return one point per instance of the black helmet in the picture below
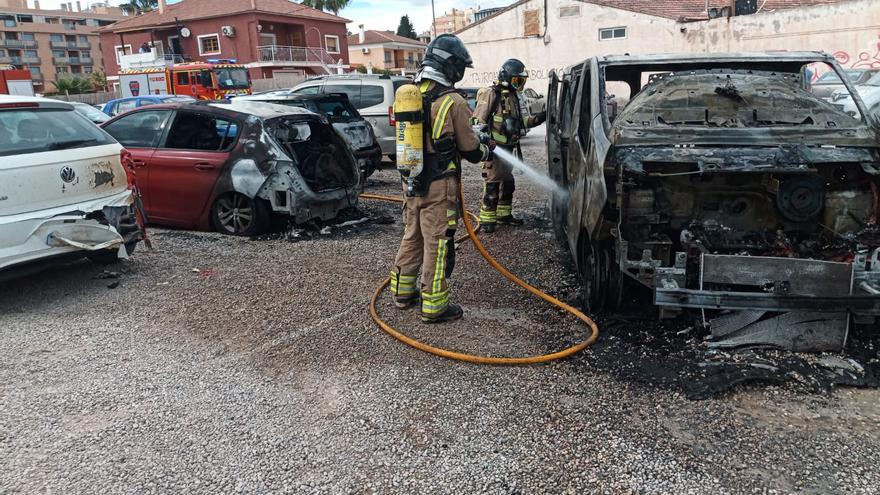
(513, 74)
(447, 54)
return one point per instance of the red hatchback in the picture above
(230, 167)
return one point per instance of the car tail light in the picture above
(127, 162)
(391, 121)
(20, 104)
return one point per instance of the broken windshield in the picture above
(723, 98)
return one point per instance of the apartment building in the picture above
(53, 43)
(454, 21)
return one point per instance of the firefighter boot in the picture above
(451, 313)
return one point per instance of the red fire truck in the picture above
(15, 81)
(211, 80)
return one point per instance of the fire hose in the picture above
(470, 358)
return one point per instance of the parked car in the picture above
(122, 105)
(232, 166)
(535, 102)
(342, 114)
(830, 82)
(63, 189)
(869, 92)
(714, 192)
(471, 94)
(90, 112)
(372, 95)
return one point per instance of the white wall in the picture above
(850, 29)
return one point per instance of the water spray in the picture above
(536, 177)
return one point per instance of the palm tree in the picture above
(329, 5)
(72, 85)
(138, 7)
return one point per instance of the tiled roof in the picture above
(200, 9)
(372, 37)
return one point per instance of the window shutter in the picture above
(532, 23)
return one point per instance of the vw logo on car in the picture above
(68, 175)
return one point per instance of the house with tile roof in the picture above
(271, 37)
(552, 34)
(384, 50)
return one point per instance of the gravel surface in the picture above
(224, 365)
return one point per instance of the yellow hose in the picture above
(470, 358)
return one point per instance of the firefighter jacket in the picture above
(499, 108)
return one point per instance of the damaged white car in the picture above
(63, 188)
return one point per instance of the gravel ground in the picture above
(261, 372)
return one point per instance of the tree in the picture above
(72, 85)
(329, 5)
(98, 80)
(405, 28)
(138, 7)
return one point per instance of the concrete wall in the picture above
(850, 30)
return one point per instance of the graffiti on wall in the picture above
(867, 59)
(489, 77)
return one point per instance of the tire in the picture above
(236, 214)
(559, 217)
(601, 282)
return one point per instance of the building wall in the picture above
(377, 56)
(850, 30)
(451, 22)
(42, 33)
(243, 46)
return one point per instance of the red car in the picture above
(230, 167)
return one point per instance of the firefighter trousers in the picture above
(498, 189)
(428, 243)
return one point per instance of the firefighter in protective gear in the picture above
(498, 110)
(431, 207)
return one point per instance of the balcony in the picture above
(71, 45)
(61, 60)
(30, 60)
(18, 43)
(268, 55)
(15, 60)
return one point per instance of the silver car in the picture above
(371, 94)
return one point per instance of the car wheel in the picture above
(236, 214)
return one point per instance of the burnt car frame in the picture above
(233, 167)
(722, 184)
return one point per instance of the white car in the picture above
(63, 188)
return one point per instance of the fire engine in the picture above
(15, 81)
(215, 79)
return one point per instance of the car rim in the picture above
(235, 213)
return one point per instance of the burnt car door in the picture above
(140, 132)
(185, 168)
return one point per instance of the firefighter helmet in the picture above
(513, 74)
(447, 54)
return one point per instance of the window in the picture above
(83, 39)
(570, 11)
(56, 37)
(183, 78)
(30, 53)
(61, 70)
(203, 132)
(59, 53)
(371, 96)
(9, 22)
(389, 57)
(140, 129)
(27, 36)
(331, 43)
(35, 73)
(121, 50)
(76, 69)
(85, 54)
(87, 69)
(38, 130)
(585, 114)
(209, 44)
(352, 90)
(308, 90)
(616, 33)
(25, 18)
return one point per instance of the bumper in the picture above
(775, 284)
(388, 145)
(29, 237)
(368, 157)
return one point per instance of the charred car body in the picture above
(232, 166)
(720, 183)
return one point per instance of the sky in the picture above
(373, 14)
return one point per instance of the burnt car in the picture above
(341, 113)
(720, 183)
(204, 165)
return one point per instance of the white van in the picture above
(63, 189)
